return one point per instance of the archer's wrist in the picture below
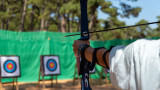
(82, 48)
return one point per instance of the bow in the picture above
(85, 65)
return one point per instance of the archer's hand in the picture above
(76, 45)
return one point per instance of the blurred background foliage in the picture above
(64, 16)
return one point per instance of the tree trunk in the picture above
(63, 23)
(42, 23)
(43, 17)
(39, 23)
(68, 22)
(79, 24)
(46, 26)
(2, 20)
(59, 23)
(32, 19)
(2, 3)
(8, 19)
(2, 24)
(23, 15)
(7, 23)
(58, 17)
(72, 22)
(91, 22)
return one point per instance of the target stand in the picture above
(49, 66)
(107, 75)
(9, 68)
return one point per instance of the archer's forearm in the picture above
(88, 54)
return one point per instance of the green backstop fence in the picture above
(29, 46)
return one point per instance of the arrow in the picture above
(114, 28)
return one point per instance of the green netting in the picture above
(30, 45)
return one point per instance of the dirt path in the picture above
(62, 85)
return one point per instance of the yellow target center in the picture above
(10, 66)
(52, 65)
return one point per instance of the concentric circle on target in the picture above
(10, 66)
(51, 65)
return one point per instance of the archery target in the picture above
(10, 66)
(51, 65)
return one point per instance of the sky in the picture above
(150, 11)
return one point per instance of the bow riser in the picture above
(84, 69)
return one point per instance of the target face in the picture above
(10, 66)
(50, 65)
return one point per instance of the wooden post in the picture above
(107, 81)
(13, 84)
(101, 75)
(56, 81)
(17, 87)
(52, 81)
(1, 84)
(74, 75)
(79, 81)
(78, 78)
(90, 79)
(43, 82)
(39, 77)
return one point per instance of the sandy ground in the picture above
(62, 85)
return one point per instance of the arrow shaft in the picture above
(117, 28)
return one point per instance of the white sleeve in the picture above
(117, 68)
(136, 66)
